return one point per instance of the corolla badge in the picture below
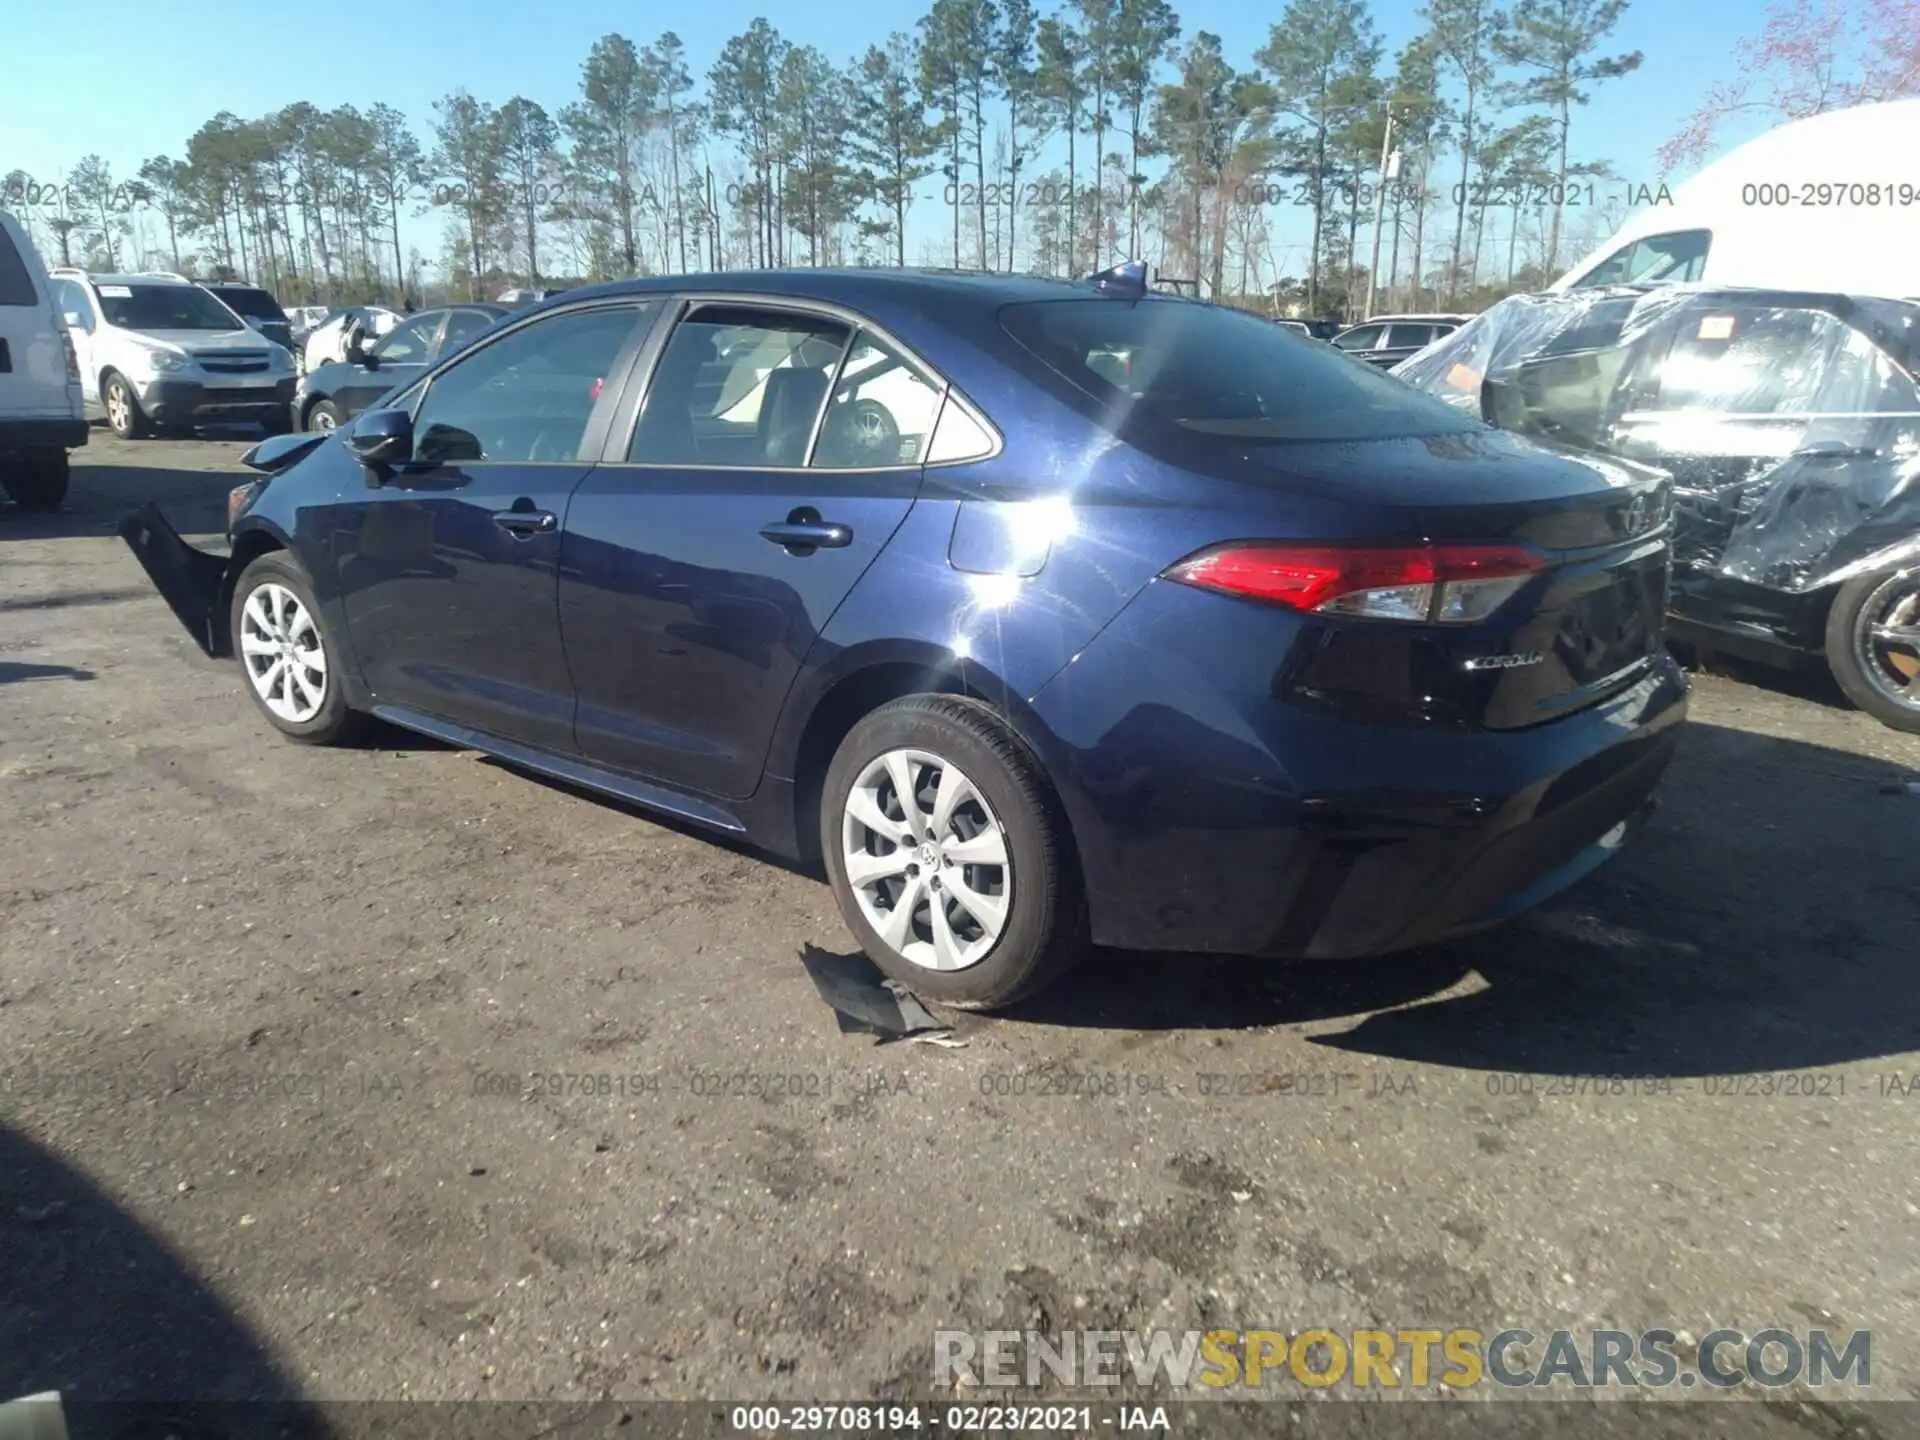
(1503, 662)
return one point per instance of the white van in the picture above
(1830, 203)
(42, 413)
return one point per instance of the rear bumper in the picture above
(193, 582)
(1210, 816)
(180, 402)
(42, 433)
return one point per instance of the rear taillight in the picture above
(73, 360)
(1429, 584)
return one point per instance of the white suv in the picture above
(157, 351)
(42, 415)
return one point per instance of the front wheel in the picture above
(290, 664)
(324, 416)
(1873, 646)
(124, 414)
(948, 855)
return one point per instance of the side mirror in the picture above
(381, 440)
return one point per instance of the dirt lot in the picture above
(268, 1014)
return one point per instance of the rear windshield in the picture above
(254, 304)
(164, 307)
(1217, 372)
(16, 285)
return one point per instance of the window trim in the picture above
(638, 383)
(646, 325)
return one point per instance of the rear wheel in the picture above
(290, 664)
(124, 414)
(324, 416)
(948, 856)
(35, 480)
(1873, 646)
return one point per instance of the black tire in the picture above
(1862, 603)
(1045, 930)
(323, 415)
(36, 480)
(333, 723)
(133, 423)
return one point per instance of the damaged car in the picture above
(1790, 423)
(1042, 615)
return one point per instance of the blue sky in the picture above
(130, 78)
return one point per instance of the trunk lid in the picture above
(1589, 624)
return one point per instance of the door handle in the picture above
(523, 523)
(802, 536)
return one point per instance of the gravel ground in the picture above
(268, 1014)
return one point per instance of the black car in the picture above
(1315, 329)
(1790, 423)
(334, 393)
(257, 307)
(1388, 339)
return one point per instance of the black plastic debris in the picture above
(865, 1001)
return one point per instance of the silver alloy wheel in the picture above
(1887, 638)
(283, 653)
(926, 859)
(320, 419)
(119, 403)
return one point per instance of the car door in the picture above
(70, 298)
(400, 357)
(448, 568)
(775, 453)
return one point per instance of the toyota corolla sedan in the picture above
(1042, 614)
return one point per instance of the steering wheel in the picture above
(861, 434)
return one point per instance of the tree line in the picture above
(1058, 143)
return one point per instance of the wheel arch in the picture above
(858, 682)
(249, 545)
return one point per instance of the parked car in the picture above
(1790, 422)
(304, 320)
(528, 297)
(160, 352)
(1388, 339)
(255, 306)
(42, 411)
(334, 393)
(327, 341)
(1264, 653)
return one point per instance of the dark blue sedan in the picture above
(1042, 613)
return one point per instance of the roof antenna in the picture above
(1126, 282)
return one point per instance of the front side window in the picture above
(528, 396)
(881, 412)
(1363, 338)
(462, 326)
(739, 386)
(1679, 256)
(1208, 371)
(164, 307)
(410, 343)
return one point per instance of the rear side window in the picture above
(1416, 336)
(16, 282)
(1204, 370)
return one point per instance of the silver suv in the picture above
(156, 351)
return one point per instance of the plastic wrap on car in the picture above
(1799, 469)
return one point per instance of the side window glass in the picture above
(881, 412)
(408, 344)
(1362, 339)
(1405, 335)
(462, 326)
(72, 300)
(527, 396)
(739, 386)
(957, 437)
